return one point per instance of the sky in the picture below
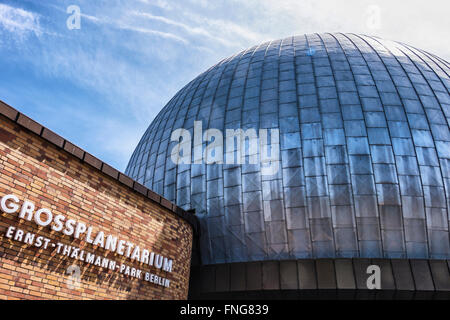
(99, 84)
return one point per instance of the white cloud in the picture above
(424, 24)
(196, 31)
(228, 28)
(204, 3)
(119, 24)
(165, 20)
(169, 42)
(19, 21)
(222, 31)
(166, 35)
(158, 3)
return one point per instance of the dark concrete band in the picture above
(309, 275)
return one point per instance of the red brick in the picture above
(73, 188)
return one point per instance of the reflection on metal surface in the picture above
(364, 152)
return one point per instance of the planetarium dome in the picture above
(358, 133)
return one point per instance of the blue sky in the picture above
(101, 86)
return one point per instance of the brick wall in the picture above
(34, 167)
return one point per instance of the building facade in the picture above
(322, 146)
(317, 166)
(72, 227)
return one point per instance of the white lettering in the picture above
(13, 206)
(38, 220)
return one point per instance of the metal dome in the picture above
(364, 151)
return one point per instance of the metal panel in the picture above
(253, 274)
(402, 275)
(306, 274)
(288, 275)
(363, 122)
(326, 276)
(208, 279)
(345, 277)
(271, 275)
(360, 266)
(237, 277)
(441, 275)
(422, 275)
(222, 278)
